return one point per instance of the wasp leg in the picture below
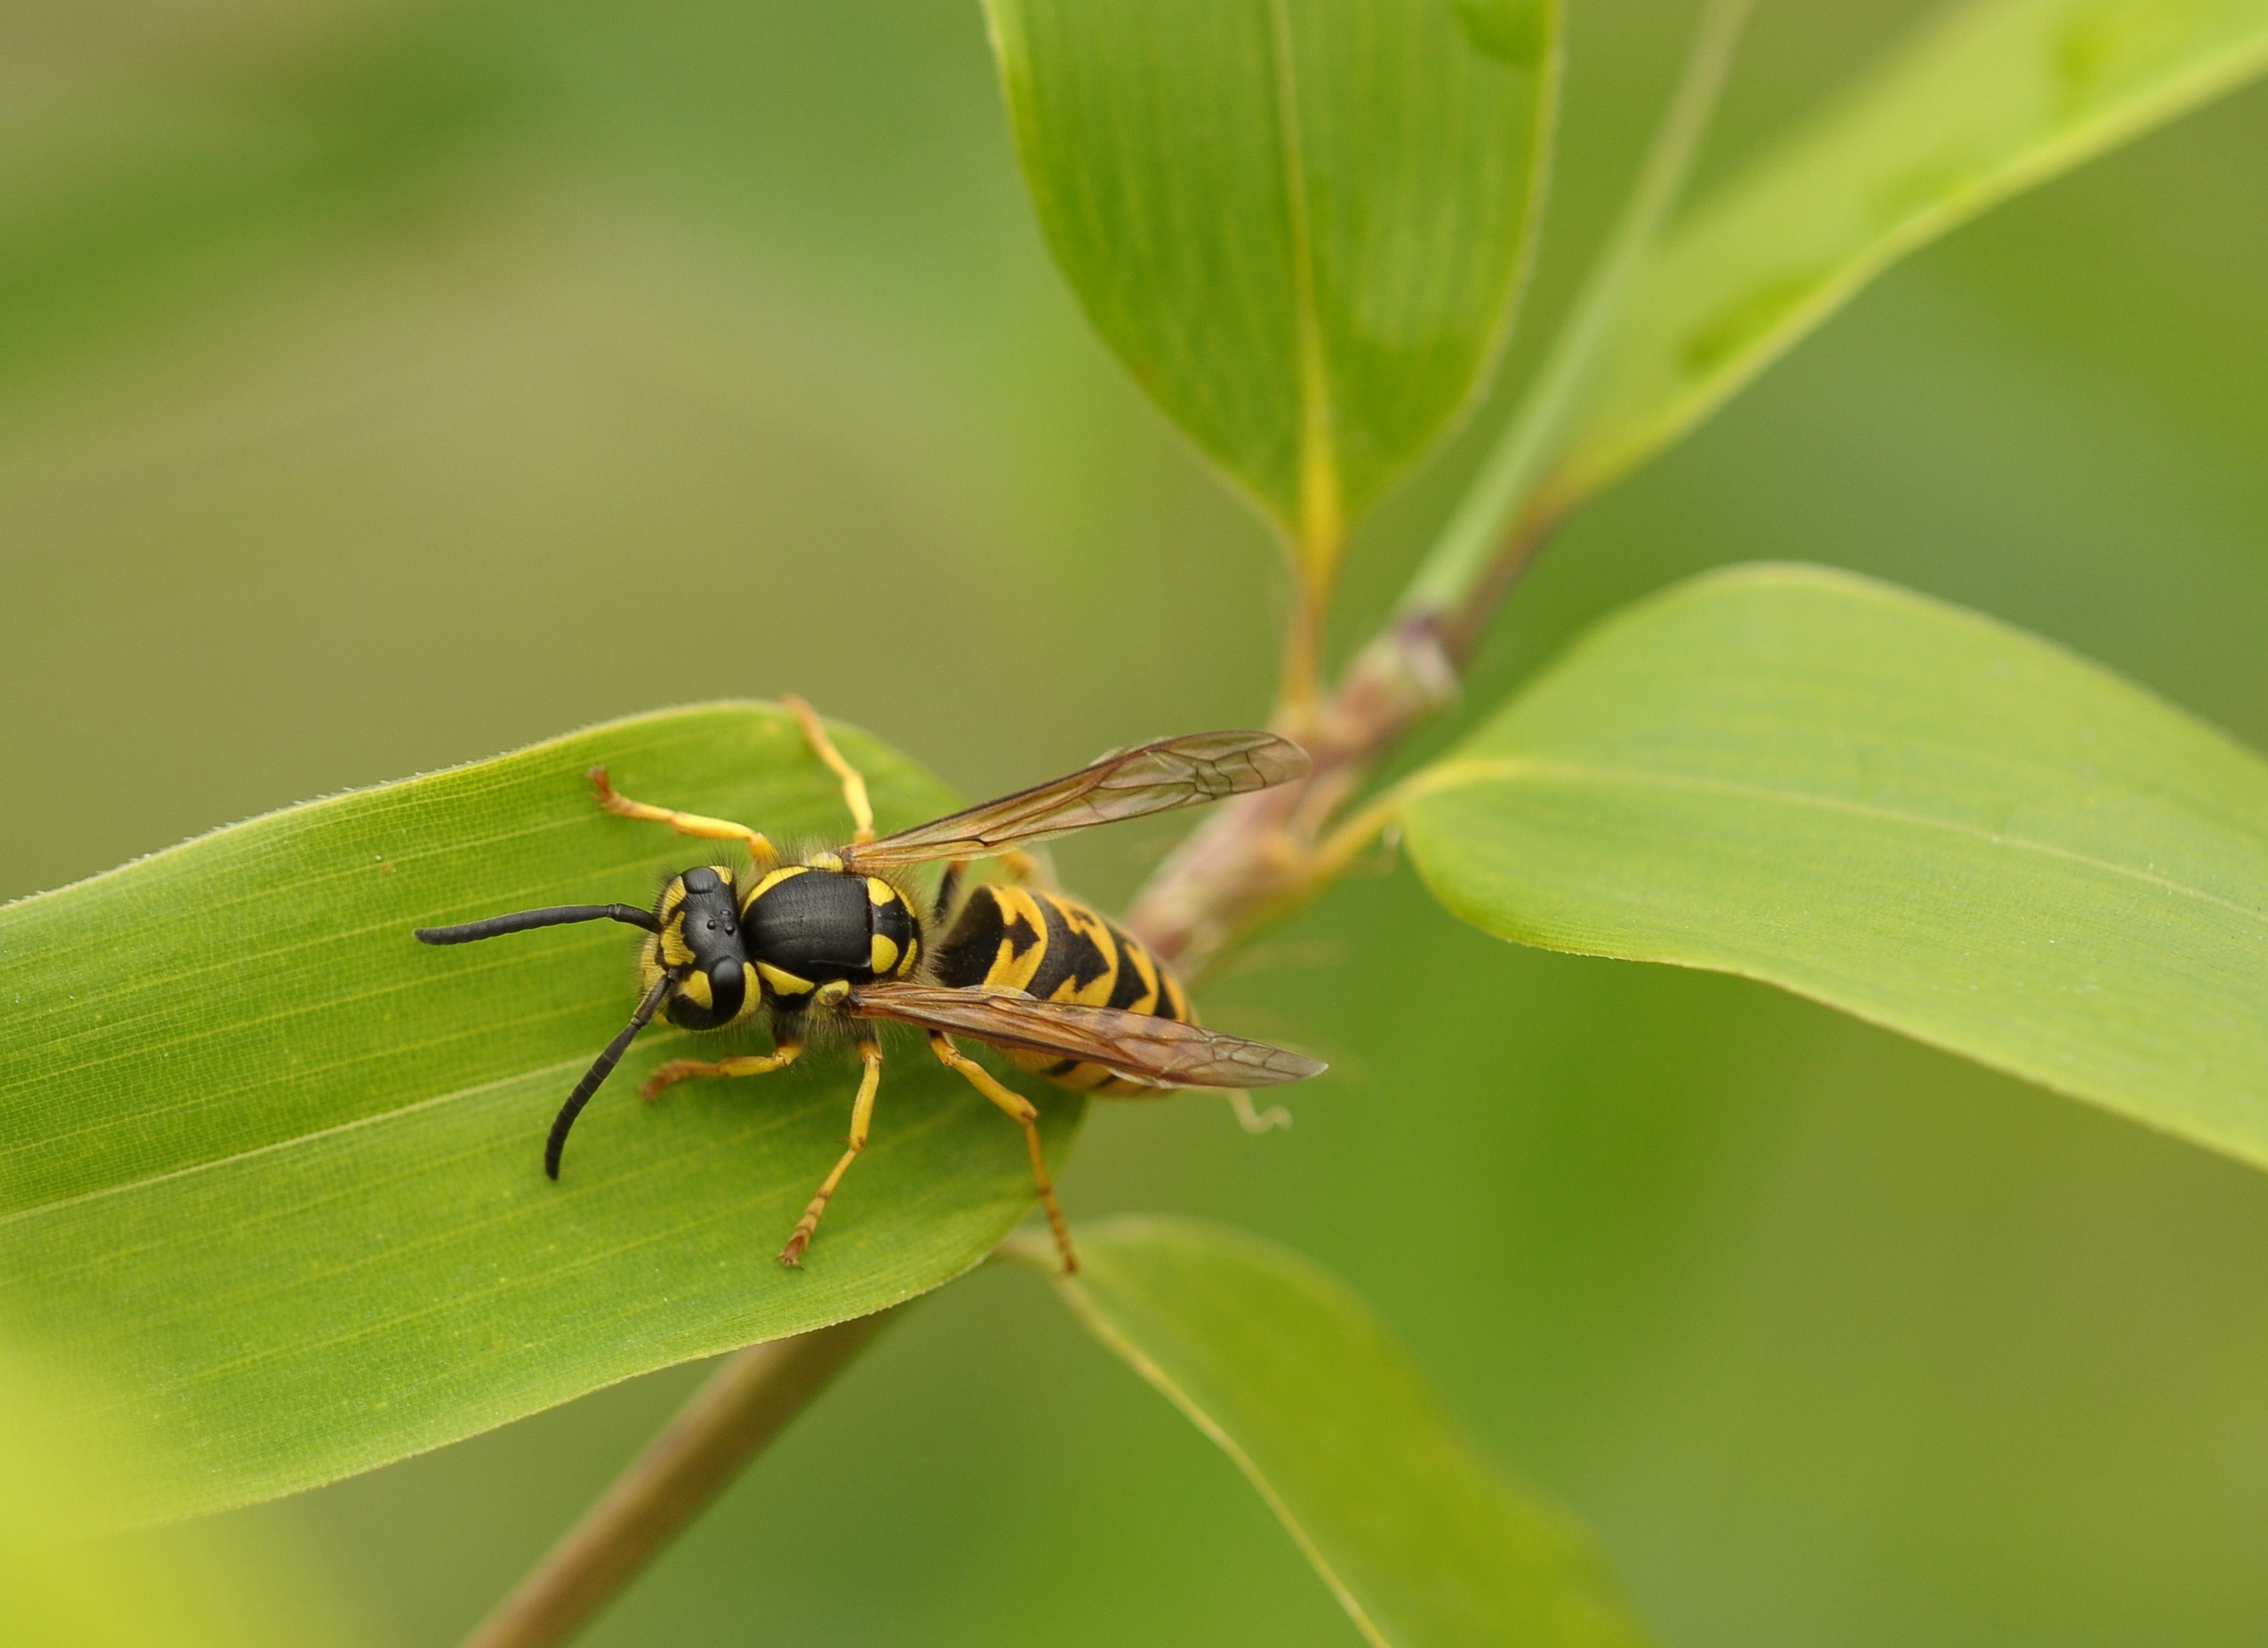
(683, 823)
(854, 783)
(1252, 1120)
(744, 1064)
(1020, 1108)
(862, 1114)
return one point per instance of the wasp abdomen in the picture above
(1057, 949)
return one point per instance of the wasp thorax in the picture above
(699, 947)
(813, 933)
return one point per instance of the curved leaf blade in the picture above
(1906, 811)
(1299, 223)
(1421, 1541)
(274, 1169)
(1986, 100)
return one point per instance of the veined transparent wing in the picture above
(1155, 777)
(1163, 1051)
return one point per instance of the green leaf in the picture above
(1422, 1541)
(1987, 99)
(1299, 223)
(1907, 811)
(275, 1169)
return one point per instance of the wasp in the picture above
(826, 942)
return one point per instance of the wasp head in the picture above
(699, 947)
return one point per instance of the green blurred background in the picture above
(385, 384)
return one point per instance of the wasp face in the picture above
(699, 947)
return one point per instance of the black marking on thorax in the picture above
(817, 924)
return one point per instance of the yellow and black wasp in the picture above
(837, 939)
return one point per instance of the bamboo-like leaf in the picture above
(272, 1171)
(1299, 223)
(1907, 811)
(1989, 98)
(1422, 1541)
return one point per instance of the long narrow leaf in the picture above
(1420, 1540)
(1299, 223)
(271, 1171)
(1990, 99)
(1904, 810)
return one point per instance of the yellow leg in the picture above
(862, 1114)
(1020, 1108)
(683, 823)
(745, 1065)
(854, 783)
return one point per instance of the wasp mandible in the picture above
(838, 939)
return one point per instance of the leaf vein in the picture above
(1456, 775)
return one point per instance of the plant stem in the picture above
(1299, 692)
(1259, 857)
(742, 1406)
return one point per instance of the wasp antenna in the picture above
(556, 1145)
(521, 921)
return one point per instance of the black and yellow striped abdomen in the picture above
(1057, 949)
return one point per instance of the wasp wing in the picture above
(1163, 1051)
(1172, 772)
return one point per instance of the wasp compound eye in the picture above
(705, 998)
